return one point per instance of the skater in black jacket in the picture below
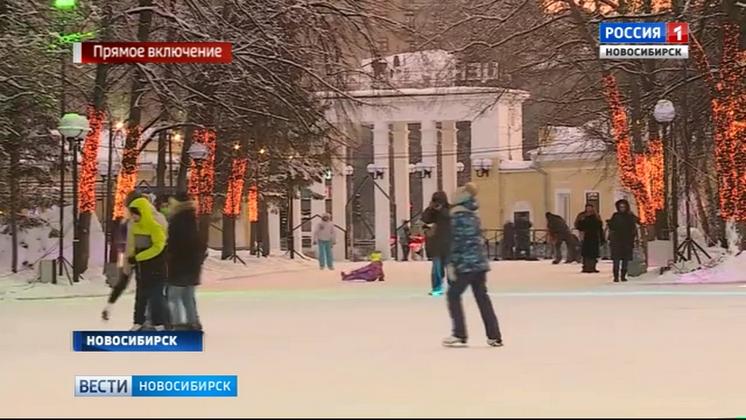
(185, 256)
(622, 235)
(438, 239)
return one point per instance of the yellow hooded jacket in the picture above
(147, 238)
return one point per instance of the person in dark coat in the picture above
(523, 227)
(469, 266)
(185, 256)
(508, 243)
(559, 233)
(438, 239)
(622, 236)
(591, 230)
(403, 238)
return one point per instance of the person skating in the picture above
(622, 235)
(469, 267)
(438, 239)
(185, 256)
(127, 269)
(559, 233)
(145, 253)
(591, 231)
(325, 237)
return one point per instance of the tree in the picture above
(27, 108)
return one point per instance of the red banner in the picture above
(152, 52)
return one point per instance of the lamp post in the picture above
(664, 113)
(74, 129)
(198, 153)
(482, 166)
(376, 171)
(107, 171)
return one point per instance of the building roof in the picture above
(572, 143)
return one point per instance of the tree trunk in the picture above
(15, 160)
(263, 228)
(160, 170)
(99, 107)
(130, 154)
(182, 180)
(229, 237)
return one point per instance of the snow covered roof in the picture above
(413, 69)
(571, 143)
(515, 165)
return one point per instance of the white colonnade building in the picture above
(496, 133)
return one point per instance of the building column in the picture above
(449, 156)
(402, 196)
(429, 158)
(382, 203)
(485, 140)
(339, 202)
(318, 207)
(273, 225)
(296, 219)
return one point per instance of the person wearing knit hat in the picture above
(186, 252)
(468, 266)
(438, 239)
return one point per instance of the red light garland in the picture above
(89, 162)
(253, 204)
(202, 182)
(127, 177)
(728, 91)
(630, 178)
(234, 192)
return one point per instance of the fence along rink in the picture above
(638, 52)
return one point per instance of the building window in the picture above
(409, 19)
(562, 204)
(382, 46)
(593, 198)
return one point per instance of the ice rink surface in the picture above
(307, 345)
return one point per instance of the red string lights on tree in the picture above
(253, 204)
(728, 91)
(89, 162)
(127, 177)
(202, 181)
(234, 192)
(630, 178)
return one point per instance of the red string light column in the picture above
(728, 91)
(127, 177)
(252, 201)
(89, 162)
(234, 192)
(630, 178)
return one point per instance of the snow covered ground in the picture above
(306, 344)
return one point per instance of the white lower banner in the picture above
(637, 52)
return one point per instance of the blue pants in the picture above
(325, 254)
(182, 305)
(437, 273)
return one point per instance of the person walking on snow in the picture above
(325, 237)
(469, 267)
(622, 235)
(186, 253)
(591, 229)
(438, 239)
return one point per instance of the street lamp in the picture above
(73, 128)
(376, 171)
(482, 166)
(664, 113)
(460, 167)
(349, 170)
(424, 170)
(412, 168)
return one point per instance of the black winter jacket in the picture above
(186, 252)
(438, 236)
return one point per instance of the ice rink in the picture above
(306, 344)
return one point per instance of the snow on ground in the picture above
(23, 285)
(308, 345)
